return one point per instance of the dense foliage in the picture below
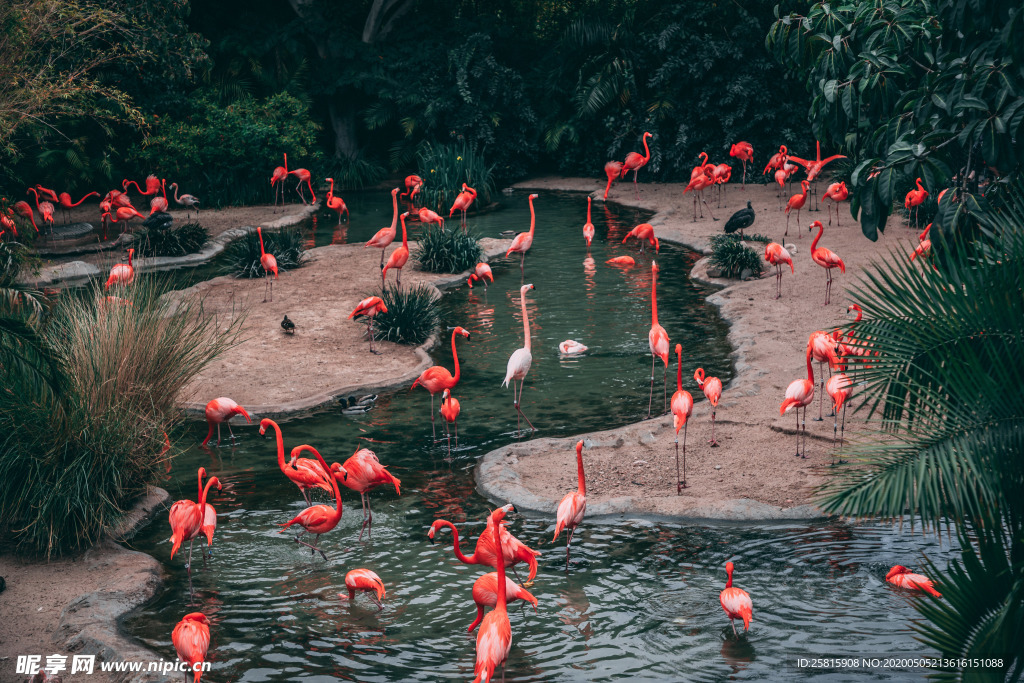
(913, 89)
(187, 238)
(413, 314)
(444, 169)
(732, 257)
(447, 250)
(288, 246)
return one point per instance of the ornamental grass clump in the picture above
(449, 250)
(188, 238)
(732, 257)
(413, 314)
(444, 168)
(242, 257)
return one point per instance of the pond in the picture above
(640, 601)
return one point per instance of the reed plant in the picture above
(413, 314)
(447, 250)
(242, 257)
(445, 167)
(74, 460)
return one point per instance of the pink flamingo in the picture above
(588, 227)
(23, 209)
(189, 201)
(219, 411)
(776, 254)
(682, 408)
(481, 272)
(463, 201)
(823, 350)
(777, 160)
(304, 176)
(519, 362)
(385, 236)
(365, 581)
(64, 200)
(837, 192)
(736, 602)
(743, 151)
(277, 179)
(187, 518)
(723, 172)
(427, 216)
(839, 388)
(524, 240)
(269, 265)
(825, 258)
(485, 594)
(815, 167)
(635, 161)
(712, 388)
(914, 199)
(318, 519)
(573, 506)
(122, 274)
(904, 578)
(644, 233)
(436, 379)
(369, 307)
(450, 409)
(613, 169)
(305, 478)
(362, 473)
(925, 247)
(797, 202)
(44, 208)
(399, 257)
(335, 203)
(152, 185)
(513, 550)
(657, 338)
(413, 185)
(800, 394)
(494, 641)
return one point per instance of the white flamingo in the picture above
(519, 362)
(187, 200)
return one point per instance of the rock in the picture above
(708, 251)
(647, 439)
(746, 273)
(714, 271)
(718, 467)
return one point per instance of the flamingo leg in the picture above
(710, 213)
(694, 207)
(733, 622)
(298, 188)
(664, 408)
(448, 433)
(218, 433)
(683, 485)
(433, 428)
(567, 543)
(522, 382)
(787, 226)
(312, 548)
(842, 431)
(456, 433)
(821, 393)
(679, 481)
(803, 429)
(799, 235)
(713, 442)
(522, 264)
(798, 431)
(650, 398)
(636, 188)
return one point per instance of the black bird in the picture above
(741, 220)
(288, 326)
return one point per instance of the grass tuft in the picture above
(187, 238)
(242, 257)
(729, 255)
(413, 314)
(445, 167)
(449, 250)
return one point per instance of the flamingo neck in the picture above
(394, 211)
(175, 186)
(654, 299)
(455, 544)
(34, 192)
(206, 489)
(286, 163)
(679, 372)
(818, 149)
(579, 470)
(588, 210)
(405, 237)
(647, 151)
(455, 356)
(526, 322)
(199, 491)
(163, 186)
(533, 217)
(499, 554)
(260, 233)
(130, 253)
(810, 370)
(728, 583)
(921, 237)
(814, 244)
(336, 516)
(280, 448)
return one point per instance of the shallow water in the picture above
(641, 599)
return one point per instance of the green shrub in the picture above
(188, 238)
(243, 256)
(445, 167)
(730, 256)
(755, 237)
(412, 316)
(449, 250)
(73, 461)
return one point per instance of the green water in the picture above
(641, 599)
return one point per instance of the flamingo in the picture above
(776, 254)
(613, 169)
(369, 307)
(269, 265)
(485, 553)
(209, 525)
(837, 192)
(825, 258)
(914, 199)
(698, 183)
(159, 204)
(800, 394)
(385, 236)
(463, 201)
(427, 216)
(189, 201)
(657, 338)
(304, 176)
(399, 257)
(797, 202)
(588, 227)
(436, 378)
(362, 473)
(823, 350)
(304, 478)
(221, 410)
(485, 593)
(413, 185)
(122, 274)
(572, 507)
(494, 641)
(64, 200)
(23, 209)
(682, 408)
(481, 272)
(7, 222)
(47, 193)
(335, 203)
(191, 638)
(44, 208)
(644, 233)
(152, 185)
(924, 247)
(624, 261)
(318, 519)
(723, 172)
(571, 347)
(524, 240)
(736, 602)
(187, 518)
(777, 160)
(277, 179)
(635, 161)
(744, 151)
(366, 581)
(712, 388)
(520, 360)
(450, 409)
(839, 388)
(902, 577)
(815, 167)
(122, 214)
(780, 178)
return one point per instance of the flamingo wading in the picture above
(519, 362)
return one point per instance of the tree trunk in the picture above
(343, 121)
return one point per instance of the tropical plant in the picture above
(913, 89)
(187, 238)
(74, 460)
(451, 250)
(943, 387)
(444, 168)
(242, 257)
(413, 314)
(732, 257)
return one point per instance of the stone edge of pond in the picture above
(305, 406)
(80, 272)
(91, 623)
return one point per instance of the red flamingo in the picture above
(776, 254)
(825, 258)
(318, 519)
(657, 338)
(815, 167)
(436, 379)
(837, 192)
(780, 179)
(122, 274)
(277, 179)
(159, 204)
(777, 161)
(494, 641)
(800, 394)
(823, 348)
(736, 602)
(743, 151)
(450, 409)
(45, 209)
(269, 265)
(797, 202)
(365, 581)
(209, 525)
(399, 257)
(481, 272)
(485, 553)
(7, 222)
(305, 479)
(64, 200)
(191, 638)
(712, 388)
(902, 577)
(362, 473)
(519, 362)
(485, 594)
(524, 240)
(335, 203)
(186, 519)
(588, 227)
(304, 176)
(23, 209)
(698, 183)
(385, 236)
(47, 193)
(682, 408)
(839, 388)
(914, 199)
(925, 247)
(413, 186)
(427, 216)
(369, 308)
(573, 506)
(623, 261)
(219, 411)
(152, 185)
(613, 169)
(644, 233)
(463, 201)
(723, 172)
(635, 161)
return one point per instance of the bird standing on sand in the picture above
(369, 307)
(797, 202)
(826, 258)
(682, 408)
(800, 394)
(269, 265)
(741, 220)
(657, 338)
(744, 151)
(837, 192)
(776, 254)
(913, 200)
(712, 388)
(635, 161)
(399, 257)
(385, 236)
(287, 325)
(189, 201)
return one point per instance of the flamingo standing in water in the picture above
(712, 388)
(573, 506)
(399, 257)
(122, 273)
(269, 265)
(362, 473)
(797, 202)
(743, 151)
(519, 362)
(318, 519)
(191, 638)
(436, 379)
(64, 200)
(186, 519)
(485, 594)
(588, 227)
(613, 169)
(335, 203)
(902, 577)
(385, 236)
(644, 233)
(463, 201)
(682, 408)
(413, 185)
(825, 258)
(369, 307)
(209, 525)
(219, 411)
(494, 641)
(776, 254)
(736, 602)
(513, 550)
(481, 272)
(524, 240)
(837, 192)
(305, 478)
(635, 161)
(657, 338)
(800, 394)
(839, 388)
(450, 409)
(189, 201)
(365, 581)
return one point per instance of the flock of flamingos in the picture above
(363, 471)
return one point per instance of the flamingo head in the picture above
(679, 349)
(525, 288)
(445, 395)
(698, 374)
(498, 515)
(782, 150)
(460, 330)
(812, 226)
(197, 617)
(339, 471)
(394, 192)
(202, 473)
(264, 423)
(533, 196)
(654, 267)
(728, 569)
(433, 529)
(579, 447)
(896, 571)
